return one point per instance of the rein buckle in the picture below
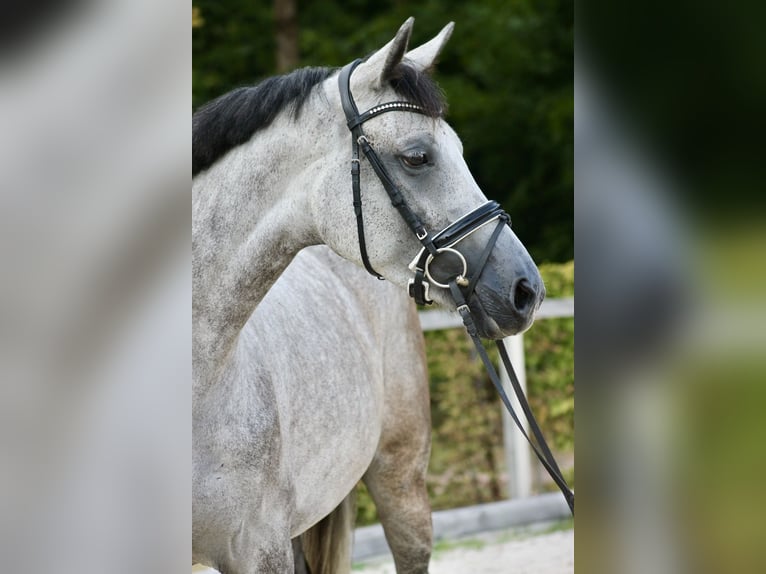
(419, 291)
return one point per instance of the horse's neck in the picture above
(250, 216)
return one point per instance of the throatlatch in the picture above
(444, 243)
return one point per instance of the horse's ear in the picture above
(424, 57)
(379, 67)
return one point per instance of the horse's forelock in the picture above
(418, 87)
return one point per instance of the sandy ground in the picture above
(502, 552)
(506, 552)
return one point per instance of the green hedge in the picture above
(467, 465)
(549, 357)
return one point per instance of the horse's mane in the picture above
(231, 119)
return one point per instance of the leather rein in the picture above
(443, 243)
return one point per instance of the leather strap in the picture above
(418, 288)
(461, 228)
(469, 222)
(474, 279)
(348, 104)
(397, 199)
(525, 406)
(540, 447)
(354, 120)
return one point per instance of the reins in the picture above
(463, 284)
(541, 449)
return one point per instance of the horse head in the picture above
(418, 163)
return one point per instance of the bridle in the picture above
(462, 285)
(433, 245)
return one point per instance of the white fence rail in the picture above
(518, 455)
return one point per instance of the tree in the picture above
(286, 32)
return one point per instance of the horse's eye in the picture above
(415, 159)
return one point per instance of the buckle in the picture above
(422, 295)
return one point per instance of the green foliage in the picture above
(467, 426)
(549, 354)
(508, 74)
(366, 513)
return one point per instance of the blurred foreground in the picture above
(671, 261)
(95, 297)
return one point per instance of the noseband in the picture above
(433, 245)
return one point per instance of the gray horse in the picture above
(294, 403)
(327, 385)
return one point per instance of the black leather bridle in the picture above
(462, 285)
(433, 245)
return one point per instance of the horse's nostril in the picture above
(523, 296)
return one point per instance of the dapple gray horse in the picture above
(291, 406)
(331, 385)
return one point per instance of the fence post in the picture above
(517, 452)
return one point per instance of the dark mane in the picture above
(232, 119)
